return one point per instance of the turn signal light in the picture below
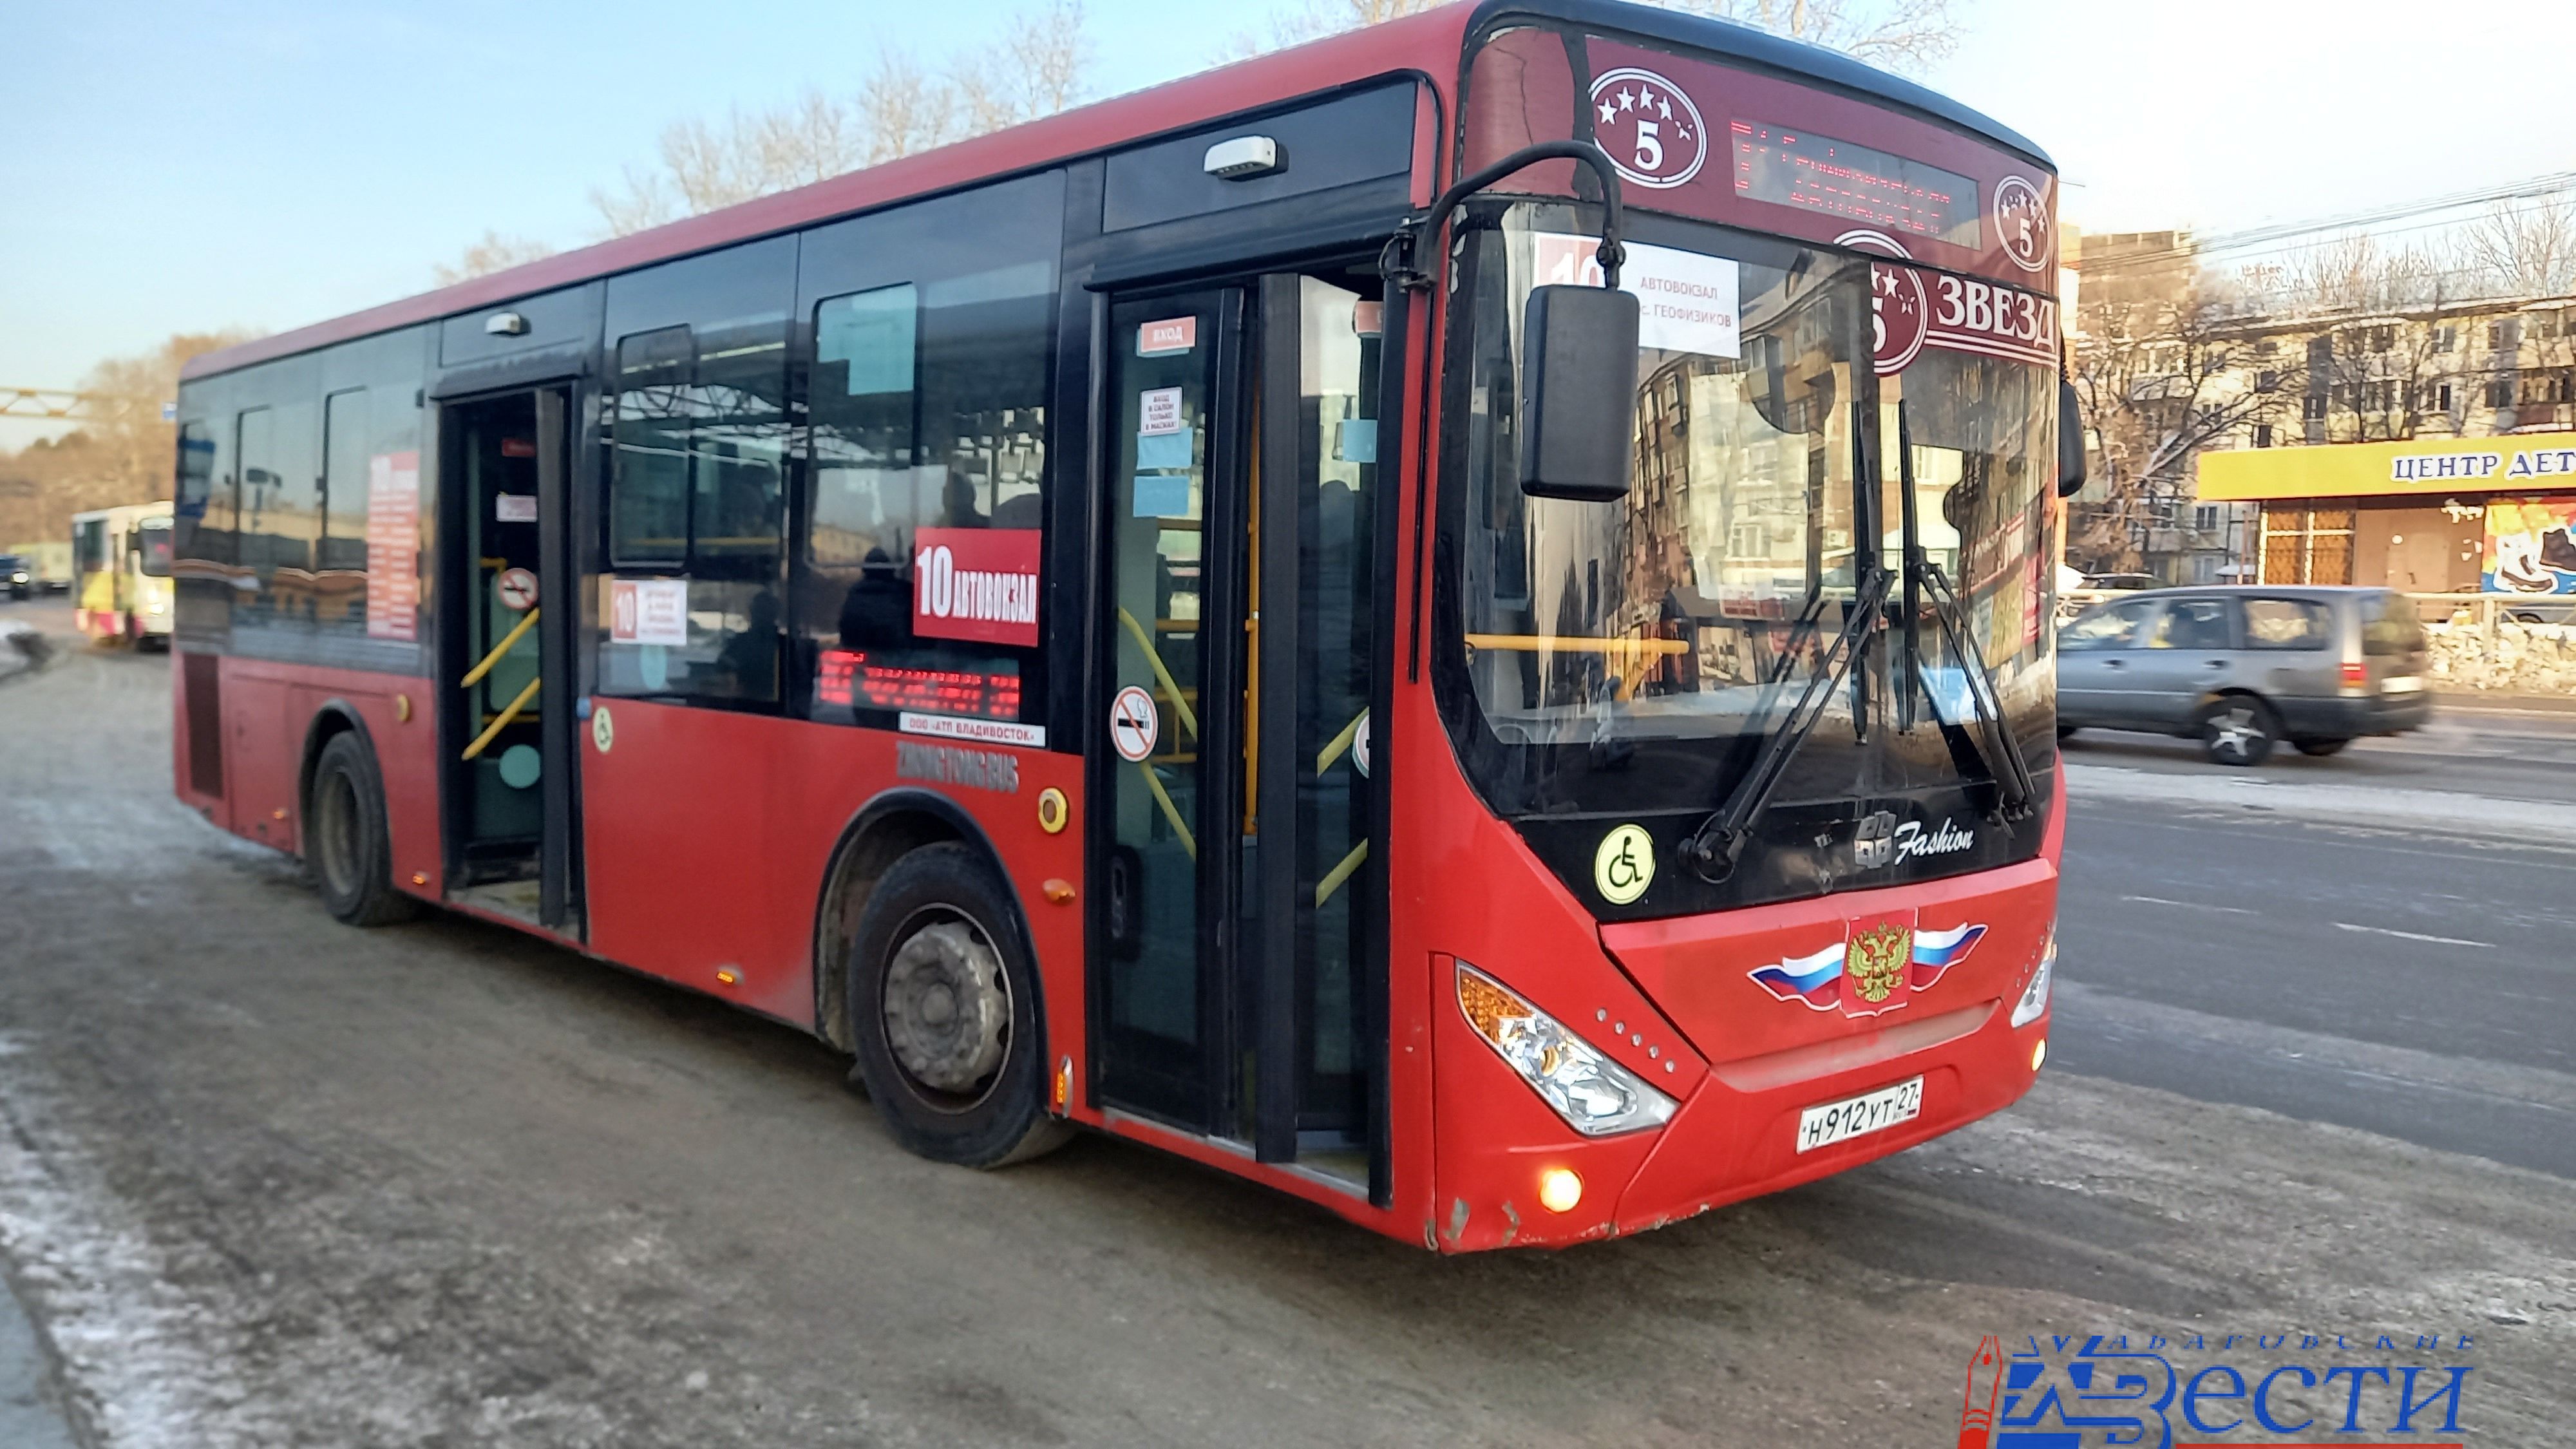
(1560, 1189)
(1595, 1095)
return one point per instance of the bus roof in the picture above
(1429, 44)
(122, 512)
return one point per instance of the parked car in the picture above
(2542, 609)
(2122, 583)
(2245, 667)
(17, 575)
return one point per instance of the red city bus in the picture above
(1160, 620)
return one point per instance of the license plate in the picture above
(2402, 683)
(1860, 1116)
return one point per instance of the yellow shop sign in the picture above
(2524, 463)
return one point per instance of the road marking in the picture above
(2191, 905)
(2414, 936)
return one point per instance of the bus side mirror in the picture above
(2070, 441)
(1578, 393)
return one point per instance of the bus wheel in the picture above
(346, 845)
(944, 1008)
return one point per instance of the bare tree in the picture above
(1905, 35)
(2160, 374)
(1038, 70)
(2525, 251)
(1040, 66)
(1901, 35)
(493, 253)
(1316, 19)
(123, 453)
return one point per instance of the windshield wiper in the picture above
(2002, 755)
(1713, 849)
(2004, 760)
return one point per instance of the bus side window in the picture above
(918, 576)
(697, 490)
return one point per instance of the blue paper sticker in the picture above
(1162, 495)
(1357, 442)
(874, 333)
(1164, 450)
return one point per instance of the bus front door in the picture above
(1238, 980)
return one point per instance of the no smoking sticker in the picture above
(518, 589)
(1132, 723)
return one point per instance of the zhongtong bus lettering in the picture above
(1135, 624)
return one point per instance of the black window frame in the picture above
(991, 231)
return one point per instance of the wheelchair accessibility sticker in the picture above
(1624, 865)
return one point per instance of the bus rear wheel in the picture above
(347, 847)
(944, 1010)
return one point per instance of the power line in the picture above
(2537, 188)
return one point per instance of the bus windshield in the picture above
(153, 542)
(1624, 656)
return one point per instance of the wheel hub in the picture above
(2236, 730)
(946, 1007)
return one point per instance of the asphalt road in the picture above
(268, 1181)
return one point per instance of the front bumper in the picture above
(1736, 1137)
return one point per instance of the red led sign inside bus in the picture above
(847, 679)
(1863, 186)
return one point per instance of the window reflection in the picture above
(928, 402)
(697, 489)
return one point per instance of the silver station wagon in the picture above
(2245, 667)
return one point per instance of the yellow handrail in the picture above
(1171, 687)
(1576, 644)
(506, 715)
(1335, 878)
(526, 623)
(1171, 812)
(1340, 743)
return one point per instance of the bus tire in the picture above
(347, 848)
(944, 1011)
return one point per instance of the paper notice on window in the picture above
(649, 611)
(1685, 301)
(393, 545)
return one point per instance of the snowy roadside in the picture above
(2446, 811)
(22, 648)
(147, 1367)
(29, 1416)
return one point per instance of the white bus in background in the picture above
(121, 574)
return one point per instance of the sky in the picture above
(196, 164)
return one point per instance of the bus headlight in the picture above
(1595, 1095)
(2035, 999)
